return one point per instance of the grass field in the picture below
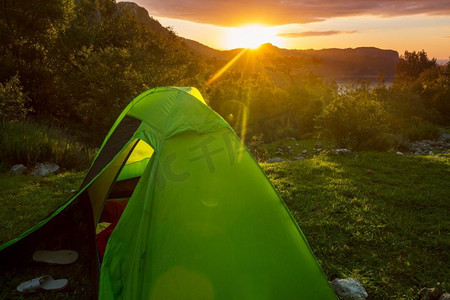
(379, 217)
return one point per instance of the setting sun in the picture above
(251, 36)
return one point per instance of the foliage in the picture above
(353, 117)
(418, 129)
(366, 225)
(412, 64)
(81, 62)
(13, 101)
(28, 143)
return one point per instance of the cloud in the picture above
(312, 33)
(280, 12)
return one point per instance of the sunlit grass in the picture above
(388, 227)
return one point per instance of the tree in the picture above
(412, 64)
(13, 101)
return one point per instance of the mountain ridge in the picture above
(361, 63)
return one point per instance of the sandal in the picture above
(60, 257)
(43, 283)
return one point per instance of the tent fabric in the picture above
(203, 222)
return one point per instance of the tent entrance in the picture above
(114, 187)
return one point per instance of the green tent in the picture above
(202, 220)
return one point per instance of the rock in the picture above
(349, 288)
(45, 169)
(342, 151)
(429, 294)
(445, 137)
(445, 296)
(297, 144)
(275, 159)
(18, 169)
(370, 172)
(299, 158)
(279, 152)
(305, 151)
(318, 145)
(399, 153)
(293, 139)
(319, 149)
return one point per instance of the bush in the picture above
(353, 118)
(381, 142)
(28, 143)
(419, 129)
(13, 101)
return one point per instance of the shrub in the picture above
(28, 143)
(381, 142)
(419, 129)
(352, 118)
(13, 101)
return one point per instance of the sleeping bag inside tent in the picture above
(193, 214)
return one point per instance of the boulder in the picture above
(18, 169)
(445, 137)
(445, 296)
(349, 288)
(45, 169)
(275, 159)
(342, 151)
(429, 294)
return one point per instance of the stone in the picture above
(318, 145)
(18, 169)
(429, 294)
(342, 151)
(299, 158)
(45, 169)
(399, 153)
(445, 137)
(297, 144)
(275, 159)
(445, 296)
(305, 151)
(370, 172)
(349, 288)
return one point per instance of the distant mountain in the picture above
(364, 63)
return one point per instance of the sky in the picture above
(310, 24)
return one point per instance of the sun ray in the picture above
(226, 67)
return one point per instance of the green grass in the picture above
(25, 200)
(28, 143)
(390, 228)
